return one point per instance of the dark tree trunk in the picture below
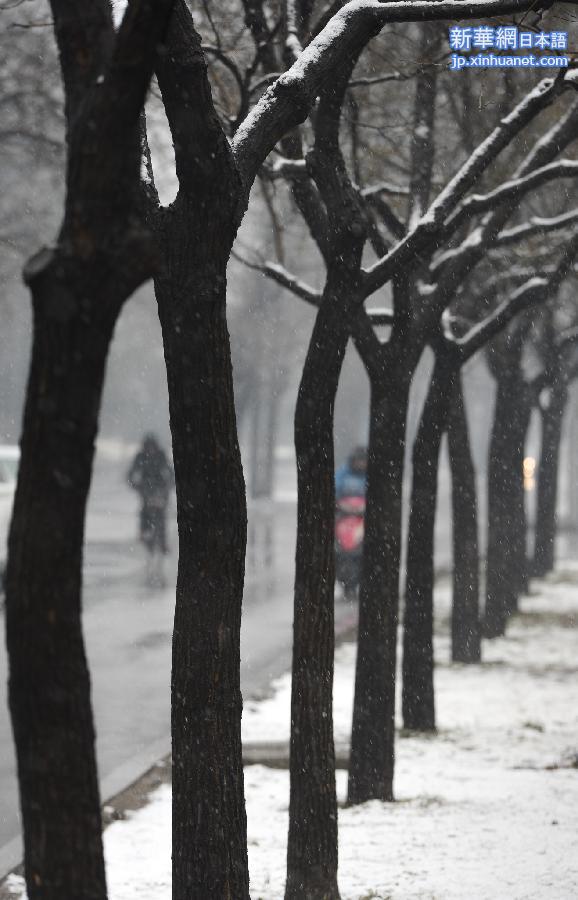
(520, 566)
(49, 687)
(547, 480)
(506, 551)
(209, 823)
(312, 847)
(373, 732)
(102, 255)
(465, 627)
(418, 661)
(341, 232)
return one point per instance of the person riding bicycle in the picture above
(351, 478)
(151, 476)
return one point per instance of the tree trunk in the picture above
(520, 566)
(506, 551)
(373, 735)
(418, 662)
(312, 845)
(465, 627)
(49, 685)
(547, 479)
(209, 822)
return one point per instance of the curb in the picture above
(139, 768)
(115, 783)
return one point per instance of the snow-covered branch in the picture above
(288, 100)
(536, 225)
(451, 267)
(380, 316)
(535, 290)
(427, 229)
(284, 168)
(300, 288)
(525, 296)
(384, 187)
(510, 190)
(280, 275)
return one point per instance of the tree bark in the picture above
(209, 822)
(547, 479)
(49, 685)
(312, 853)
(465, 625)
(506, 551)
(418, 661)
(373, 732)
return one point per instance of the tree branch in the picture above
(202, 152)
(280, 275)
(429, 227)
(380, 316)
(536, 225)
(287, 102)
(510, 190)
(534, 291)
(84, 35)
(126, 81)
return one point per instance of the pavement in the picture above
(128, 628)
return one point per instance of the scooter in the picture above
(349, 531)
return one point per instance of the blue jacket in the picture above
(349, 483)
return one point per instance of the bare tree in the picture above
(78, 286)
(415, 316)
(507, 568)
(335, 210)
(195, 237)
(450, 355)
(465, 622)
(551, 392)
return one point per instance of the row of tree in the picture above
(294, 70)
(427, 255)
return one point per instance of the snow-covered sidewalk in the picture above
(486, 810)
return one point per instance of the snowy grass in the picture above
(486, 810)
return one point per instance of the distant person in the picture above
(351, 478)
(151, 476)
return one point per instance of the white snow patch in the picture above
(479, 816)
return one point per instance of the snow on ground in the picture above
(486, 810)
